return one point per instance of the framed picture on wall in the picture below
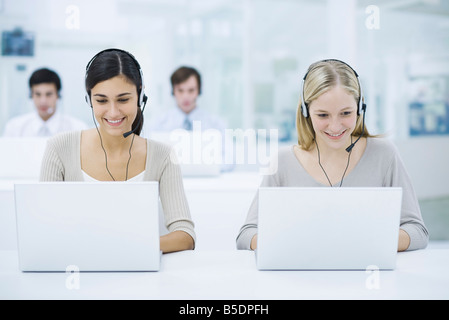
(17, 43)
(429, 106)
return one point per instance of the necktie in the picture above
(187, 124)
(43, 131)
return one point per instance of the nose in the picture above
(42, 99)
(334, 125)
(184, 95)
(114, 110)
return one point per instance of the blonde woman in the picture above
(335, 149)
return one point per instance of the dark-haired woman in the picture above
(114, 91)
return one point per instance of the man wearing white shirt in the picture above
(176, 119)
(186, 87)
(45, 121)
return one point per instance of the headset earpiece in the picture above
(88, 100)
(304, 110)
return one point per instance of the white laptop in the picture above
(21, 157)
(94, 226)
(328, 228)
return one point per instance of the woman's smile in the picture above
(114, 123)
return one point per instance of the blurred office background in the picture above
(252, 55)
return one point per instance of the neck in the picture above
(333, 157)
(188, 112)
(327, 152)
(115, 145)
(45, 117)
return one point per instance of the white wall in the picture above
(427, 161)
(240, 45)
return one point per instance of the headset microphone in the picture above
(348, 149)
(127, 134)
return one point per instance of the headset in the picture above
(142, 97)
(361, 103)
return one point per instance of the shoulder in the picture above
(20, 119)
(161, 158)
(65, 141)
(283, 162)
(285, 152)
(286, 156)
(158, 149)
(381, 152)
(382, 147)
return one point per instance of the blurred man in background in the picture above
(45, 121)
(186, 88)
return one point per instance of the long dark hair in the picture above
(109, 64)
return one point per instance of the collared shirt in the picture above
(32, 125)
(197, 119)
(177, 119)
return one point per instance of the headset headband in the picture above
(142, 96)
(361, 102)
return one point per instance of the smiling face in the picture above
(115, 105)
(334, 117)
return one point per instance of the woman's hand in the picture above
(404, 240)
(176, 241)
(253, 245)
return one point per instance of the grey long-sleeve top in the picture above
(61, 162)
(379, 166)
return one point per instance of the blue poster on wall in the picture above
(17, 43)
(429, 108)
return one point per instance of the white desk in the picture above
(213, 275)
(218, 206)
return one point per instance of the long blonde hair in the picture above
(320, 78)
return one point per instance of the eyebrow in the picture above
(105, 96)
(344, 109)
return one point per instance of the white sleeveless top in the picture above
(139, 177)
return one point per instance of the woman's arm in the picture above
(247, 237)
(52, 168)
(176, 210)
(413, 232)
(176, 241)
